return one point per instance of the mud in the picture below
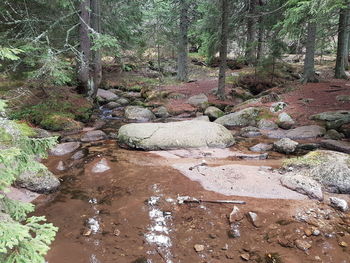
(130, 214)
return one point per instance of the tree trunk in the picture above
(223, 48)
(182, 67)
(96, 55)
(259, 51)
(85, 46)
(309, 62)
(251, 33)
(343, 35)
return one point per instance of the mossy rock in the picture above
(57, 122)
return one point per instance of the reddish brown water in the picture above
(134, 213)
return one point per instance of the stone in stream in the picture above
(333, 119)
(331, 169)
(333, 135)
(60, 166)
(339, 204)
(302, 244)
(79, 155)
(65, 148)
(101, 166)
(112, 105)
(306, 132)
(250, 131)
(254, 219)
(138, 113)
(161, 112)
(265, 124)
(245, 117)
(304, 185)
(123, 101)
(340, 146)
(106, 95)
(92, 136)
(174, 135)
(261, 147)
(198, 100)
(285, 145)
(235, 215)
(42, 183)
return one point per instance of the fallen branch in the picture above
(189, 200)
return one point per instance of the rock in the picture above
(92, 136)
(241, 93)
(79, 155)
(245, 256)
(201, 118)
(271, 97)
(339, 204)
(333, 119)
(278, 106)
(117, 113)
(343, 98)
(306, 132)
(345, 129)
(316, 232)
(174, 135)
(42, 183)
(285, 145)
(309, 146)
(198, 100)
(261, 147)
(213, 113)
(138, 113)
(112, 105)
(333, 135)
(198, 248)
(302, 244)
(234, 231)
(340, 146)
(101, 166)
(343, 244)
(285, 121)
(41, 133)
(60, 166)
(304, 185)
(106, 95)
(331, 169)
(250, 132)
(57, 122)
(235, 215)
(245, 117)
(254, 219)
(265, 124)
(308, 232)
(122, 101)
(161, 112)
(65, 148)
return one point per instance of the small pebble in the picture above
(198, 248)
(343, 244)
(245, 256)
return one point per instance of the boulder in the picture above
(65, 148)
(331, 169)
(213, 112)
(333, 119)
(138, 113)
(304, 185)
(201, 118)
(245, 117)
(161, 112)
(174, 135)
(285, 121)
(345, 129)
(106, 95)
(92, 136)
(198, 100)
(285, 145)
(123, 101)
(101, 166)
(42, 183)
(306, 132)
(343, 98)
(250, 131)
(334, 135)
(112, 105)
(261, 147)
(340, 146)
(265, 124)
(339, 204)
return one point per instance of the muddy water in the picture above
(130, 214)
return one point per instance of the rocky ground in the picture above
(281, 151)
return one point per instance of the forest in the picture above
(174, 131)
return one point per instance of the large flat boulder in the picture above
(174, 135)
(245, 117)
(65, 148)
(340, 146)
(331, 169)
(306, 132)
(333, 119)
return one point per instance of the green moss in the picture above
(25, 129)
(58, 122)
(5, 137)
(135, 88)
(265, 114)
(311, 159)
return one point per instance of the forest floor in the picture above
(131, 212)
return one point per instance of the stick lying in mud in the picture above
(189, 200)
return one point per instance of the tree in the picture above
(343, 40)
(97, 53)
(182, 66)
(251, 33)
(223, 48)
(309, 74)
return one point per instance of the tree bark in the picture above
(251, 33)
(96, 54)
(343, 35)
(182, 67)
(259, 51)
(85, 46)
(309, 62)
(223, 48)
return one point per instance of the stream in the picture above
(130, 213)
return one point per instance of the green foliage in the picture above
(22, 239)
(9, 53)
